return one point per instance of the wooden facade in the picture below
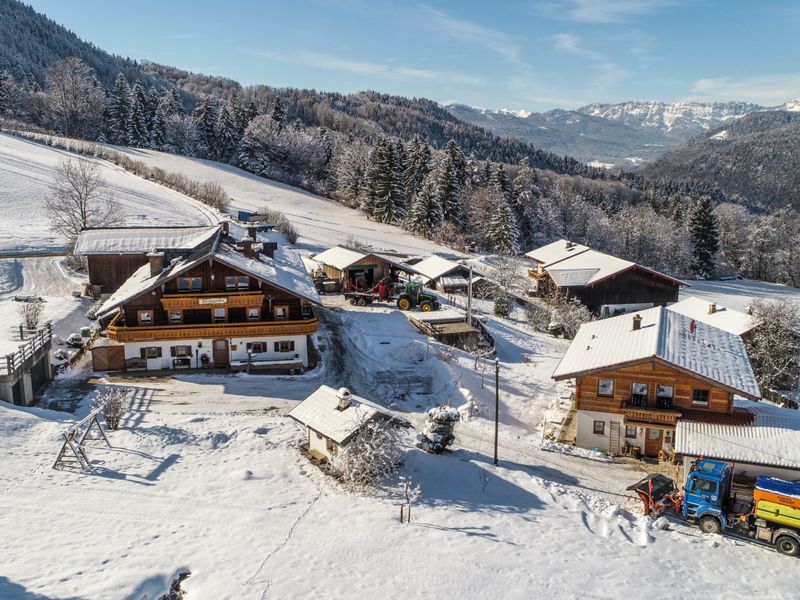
(109, 271)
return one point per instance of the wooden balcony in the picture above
(120, 333)
(231, 299)
(656, 416)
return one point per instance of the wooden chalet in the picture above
(605, 284)
(350, 269)
(236, 302)
(637, 376)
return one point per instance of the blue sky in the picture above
(532, 55)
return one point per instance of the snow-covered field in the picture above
(205, 473)
(27, 170)
(321, 222)
(738, 294)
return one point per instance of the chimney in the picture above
(226, 227)
(247, 248)
(252, 231)
(712, 308)
(637, 322)
(569, 244)
(343, 396)
(156, 260)
(268, 249)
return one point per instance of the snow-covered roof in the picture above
(433, 267)
(665, 336)
(771, 438)
(339, 257)
(556, 252)
(730, 320)
(140, 240)
(320, 412)
(590, 267)
(284, 270)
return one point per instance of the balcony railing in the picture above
(231, 299)
(121, 333)
(661, 411)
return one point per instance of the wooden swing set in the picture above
(74, 447)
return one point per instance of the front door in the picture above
(221, 357)
(653, 442)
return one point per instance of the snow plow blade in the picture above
(654, 490)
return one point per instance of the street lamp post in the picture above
(496, 404)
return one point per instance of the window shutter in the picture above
(142, 352)
(291, 346)
(159, 351)
(277, 347)
(173, 351)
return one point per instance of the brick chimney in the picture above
(247, 248)
(156, 260)
(226, 227)
(343, 396)
(268, 249)
(252, 232)
(637, 322)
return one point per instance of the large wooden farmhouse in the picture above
(234, 301)
(637, 376)
(605, 284)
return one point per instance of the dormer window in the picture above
(237, 282)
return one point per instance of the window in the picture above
(639, 393)
(190, 284)
(664, 395)
(281, 312)
(605, 387)
(599, 427)
(237, 282)
(150, 352)
(145, 317)
(256, 347)
(220, 315)
(630, 431)
(284, 346)
(253, 313)
(175, 316)
(700, 397)
(180, 351)
(307, 311)
(703, 485)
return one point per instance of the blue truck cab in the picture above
(707, 490)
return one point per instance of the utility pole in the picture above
(469, 298)
(496, 404)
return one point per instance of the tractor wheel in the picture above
(709, 524)
(787, 545)
(436, 306)
(362, 302)
(404, 303)
(352, 301)
(426, 306)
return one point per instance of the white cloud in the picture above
(571, 44)
(603, 11)
(331, 62)
(768, 90)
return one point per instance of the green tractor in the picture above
(414, 296)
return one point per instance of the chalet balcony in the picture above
(121, 333)
(230, 299)
(659, 412)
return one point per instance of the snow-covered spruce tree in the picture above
(502, 233)
(350, 166)
(278, 111)
(138, 134)
(425, 216)
(704, 230)
(773, 344)
(158, 128)
(205, 118)
(227, 133)
(450, 175)
(417, 165)
(370, 456)
(6, 84)
(118, 112)
(384, 197)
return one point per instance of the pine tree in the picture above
(118, 112)
(502, 184)
(676, 210)
(205, 119)
(171, 104)
(227, 133)
(138, 134)
(278, 111)
(158, 128)
(502, 233)
(417, 166)
(449, 185)
(6, 83)
(425, 215)
(704, 231)
(385, 195)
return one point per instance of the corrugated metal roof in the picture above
(140, 240)
(572, 277)
(319, 412)
(730, 320)
(339, 257)
(709, 352)
(772, 438)
(556, 252)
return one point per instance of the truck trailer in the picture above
(767, 511)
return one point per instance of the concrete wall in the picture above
(237, 348)
(319, 443)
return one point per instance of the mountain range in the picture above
(622, 135)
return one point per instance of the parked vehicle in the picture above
(414, 296)
(766, 512)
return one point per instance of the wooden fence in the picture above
(16, 361)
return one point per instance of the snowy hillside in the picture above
(321, 222)
(26, 172)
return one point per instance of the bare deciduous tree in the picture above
(373, 453)
(30, 313)
(114, 402)
(76, 201)
(75, 98)
(774, 344)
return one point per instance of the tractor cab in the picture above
(707, 488)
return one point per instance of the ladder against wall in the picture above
(613, 442)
